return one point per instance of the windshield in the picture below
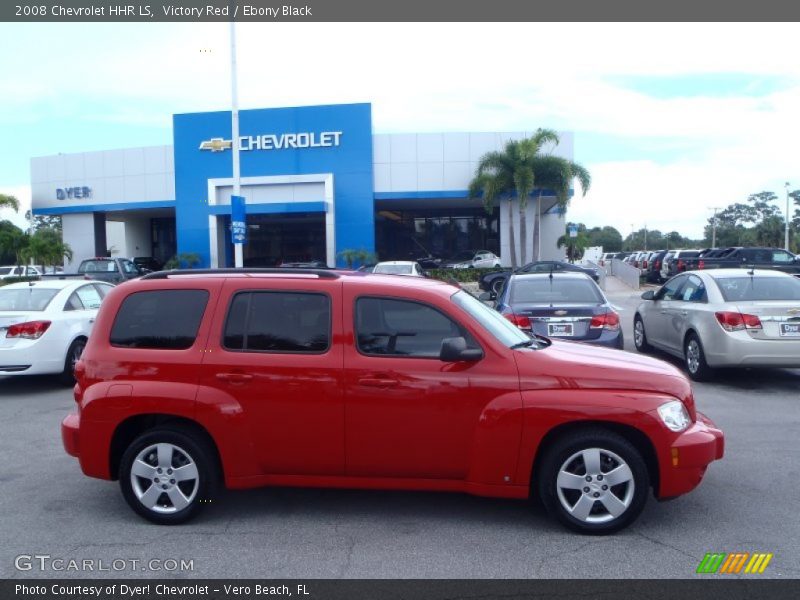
(491, 320)
(556, 291)
(29, 298)
(393, 269)
(747, 289)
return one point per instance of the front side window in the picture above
(389, 327)
(781, 256)
(278, 322)
(159, 319)
(128, 267)
(670, 289)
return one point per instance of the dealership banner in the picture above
(388, 589)
(401, 11)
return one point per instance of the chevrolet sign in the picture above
(271, 141)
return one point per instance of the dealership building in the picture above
(316, 180)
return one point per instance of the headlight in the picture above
(674, 415)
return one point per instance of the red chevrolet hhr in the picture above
(341, 379)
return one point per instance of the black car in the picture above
(562, 305)
(653, 273)
(147, 262)
(494, 282)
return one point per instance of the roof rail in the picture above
(322, 273)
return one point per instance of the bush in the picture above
(460, 275)
(17, 280)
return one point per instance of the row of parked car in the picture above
(659, 265)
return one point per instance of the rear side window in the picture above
(159, 319)
(278, 322)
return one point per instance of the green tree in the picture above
(184, 260)
(12, 243)
(356, 256)
(607, 237)
(43, 221)
(7, 201)
(517, 171)
(577, 245)
(46, 247)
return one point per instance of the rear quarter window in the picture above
(159, 319)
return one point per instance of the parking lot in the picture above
(748, 502)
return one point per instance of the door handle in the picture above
(377, 382)
(234, 377)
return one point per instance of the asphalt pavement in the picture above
(748, 502)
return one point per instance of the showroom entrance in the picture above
(273, 239)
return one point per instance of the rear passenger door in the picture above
(275, 354)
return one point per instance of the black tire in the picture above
(694, 359)
(497, 285)
(74, 353)
(640, 341)
(599, 521)
(191, 445)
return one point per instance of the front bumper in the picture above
(688, 457)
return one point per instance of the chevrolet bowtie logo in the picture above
(216, 144)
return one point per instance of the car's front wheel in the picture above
(594, 481)
(167, 475)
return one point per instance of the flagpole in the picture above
(238, 250)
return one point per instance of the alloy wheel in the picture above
(693, 356)
(164, 478)
(595, 485)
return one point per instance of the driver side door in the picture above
(409, 414)
(657, 325)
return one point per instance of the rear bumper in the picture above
(725, 349)
(689, 455)
(31, 358)
(70, 428)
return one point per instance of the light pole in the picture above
(645, 237)
(714, 227)
(238, 250)
(786, 234)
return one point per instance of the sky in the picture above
(670, 119)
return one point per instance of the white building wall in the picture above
(78, 232)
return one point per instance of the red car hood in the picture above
(575, 365)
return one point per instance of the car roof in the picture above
(556, 275)
(726, 273)
(55, 284)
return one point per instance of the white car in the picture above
(44, 325)
(479, 259)
(409, 268)
(18, 271)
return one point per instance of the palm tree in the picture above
(557, 174)
(517, 170)
(46, 247)
(575, 245)
(7, 201)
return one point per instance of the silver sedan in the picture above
(723, 318)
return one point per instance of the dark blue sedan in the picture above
(567, 306)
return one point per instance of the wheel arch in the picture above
(129, 429)
(640, 440)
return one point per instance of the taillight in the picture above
(32, 330)
(658, 266)
(519, 320)
(701, 264)
(644, 264)
(734, 321)
(681, 265)
(609, 320)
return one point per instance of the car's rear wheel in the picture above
(74, 354)
(167, 475)
(497, 285)
(695, 358)
(594, 481)
(639, 335)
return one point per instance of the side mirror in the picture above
(455, 349)
(649, 295)
(487, 296)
